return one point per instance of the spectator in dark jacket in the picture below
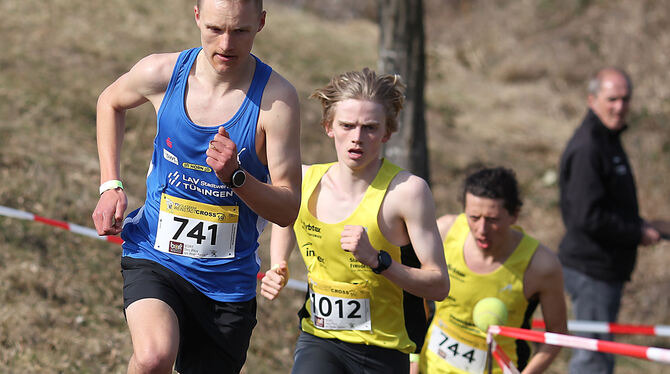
(600, 212)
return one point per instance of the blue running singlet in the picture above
(191, 223)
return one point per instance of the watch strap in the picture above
(384, 262)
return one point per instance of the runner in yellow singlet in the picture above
(366, 231)
(489, 257)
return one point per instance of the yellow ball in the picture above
(489, 311)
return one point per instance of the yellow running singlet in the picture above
(453, 343)
(346, 299)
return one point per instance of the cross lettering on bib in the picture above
(339, 306)
(456, 353)
(193, 229)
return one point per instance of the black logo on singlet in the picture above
(309, 252)
(311, 230)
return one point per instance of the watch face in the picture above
(238, 178)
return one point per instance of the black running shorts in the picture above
(214, 335)
(333, 356)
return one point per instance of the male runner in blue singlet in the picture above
(226, 159)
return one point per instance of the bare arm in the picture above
(414, 368)
(282, 243)
(546, 275)
(145, 81)
(279, 201)
(431, 280)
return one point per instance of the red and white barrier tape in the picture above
(648, 353)
(500, 356)
(611, 328)
(9, 212)
(77, 229)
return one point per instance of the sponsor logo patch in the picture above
(187, 165)
(170, 157)
(176, 247)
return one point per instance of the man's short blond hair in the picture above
(385, 89)
(259, 3)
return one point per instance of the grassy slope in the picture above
(509, 90)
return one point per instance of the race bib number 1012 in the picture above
(340, 306)
(193, 229)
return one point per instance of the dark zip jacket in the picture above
(598, 204)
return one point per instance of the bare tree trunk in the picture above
(401, 51)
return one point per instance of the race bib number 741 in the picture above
(194, 229)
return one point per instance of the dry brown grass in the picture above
(505, 85)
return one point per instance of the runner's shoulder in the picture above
(406, 185)
(155, 70)
(544, 264)
(444, 224)
(279, 88)
(409, 195)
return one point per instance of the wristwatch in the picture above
(237, 179)
(385, 260)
